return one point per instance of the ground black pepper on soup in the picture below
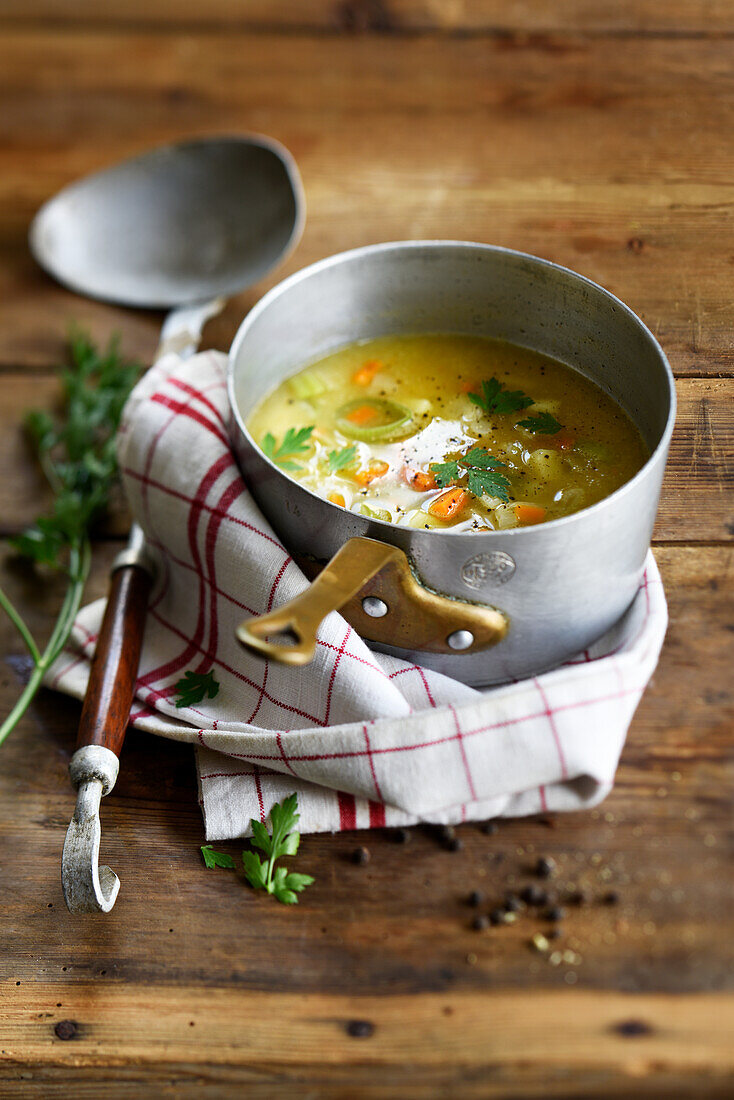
(449, 432)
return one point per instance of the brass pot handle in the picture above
(372, 584)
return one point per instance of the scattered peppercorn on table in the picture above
(585, 955)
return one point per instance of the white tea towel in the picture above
(365, 739)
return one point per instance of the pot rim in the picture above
(659, 451)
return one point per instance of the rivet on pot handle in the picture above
(371, 583)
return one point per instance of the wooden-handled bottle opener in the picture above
(89, 888)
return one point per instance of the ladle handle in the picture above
(114, 668)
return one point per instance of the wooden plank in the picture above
(698, 490)
(442, 1039)
(696, 502)
(574, 153)
(390, 16)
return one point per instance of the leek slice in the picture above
(383, 421)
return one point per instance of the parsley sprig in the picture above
(194, 687)
(217, 859)
(76, 451)
(482, 472)
(543, 422)
(295, 442)
(495, 398)
(263, 874)
(343, 459)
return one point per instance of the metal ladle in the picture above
(181, 227)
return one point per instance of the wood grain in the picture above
(285, 1035)
(390, 16)
(574, 153)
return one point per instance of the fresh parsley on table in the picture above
(283, 884)
(217, 859)
(76, 451)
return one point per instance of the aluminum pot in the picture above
(557, 586)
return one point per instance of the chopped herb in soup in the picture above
(448, 431)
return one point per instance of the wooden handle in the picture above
(115, 665)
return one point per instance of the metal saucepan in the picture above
(483, 607)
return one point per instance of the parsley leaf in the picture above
(295, 442)
(483, 474)
(496, 399)
(284, 841)
(543, 422)
(340, 460)
(75, 448)
(482, 470)
(490, 482)
(481, 458)
(216, 859)
(255, 870)
(444, 472)
(195, 687)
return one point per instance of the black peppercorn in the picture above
(480, 922)
(544, 868)
(556, 913)
(361, 856)
(476, 898)
(534, 895)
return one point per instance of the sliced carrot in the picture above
(421, 480)
(561, 441)
(366, 372)
(376, 469)
(468, 387)
(336, 498)
(362, 414)
(529, 513)
(564, 440)
(449, 503)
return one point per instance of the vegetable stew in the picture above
(448, 431)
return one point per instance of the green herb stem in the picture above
(75, 448)
(79, 563)
(20, 626)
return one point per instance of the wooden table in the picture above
(598, 135)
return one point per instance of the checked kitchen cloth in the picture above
(363, 738)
